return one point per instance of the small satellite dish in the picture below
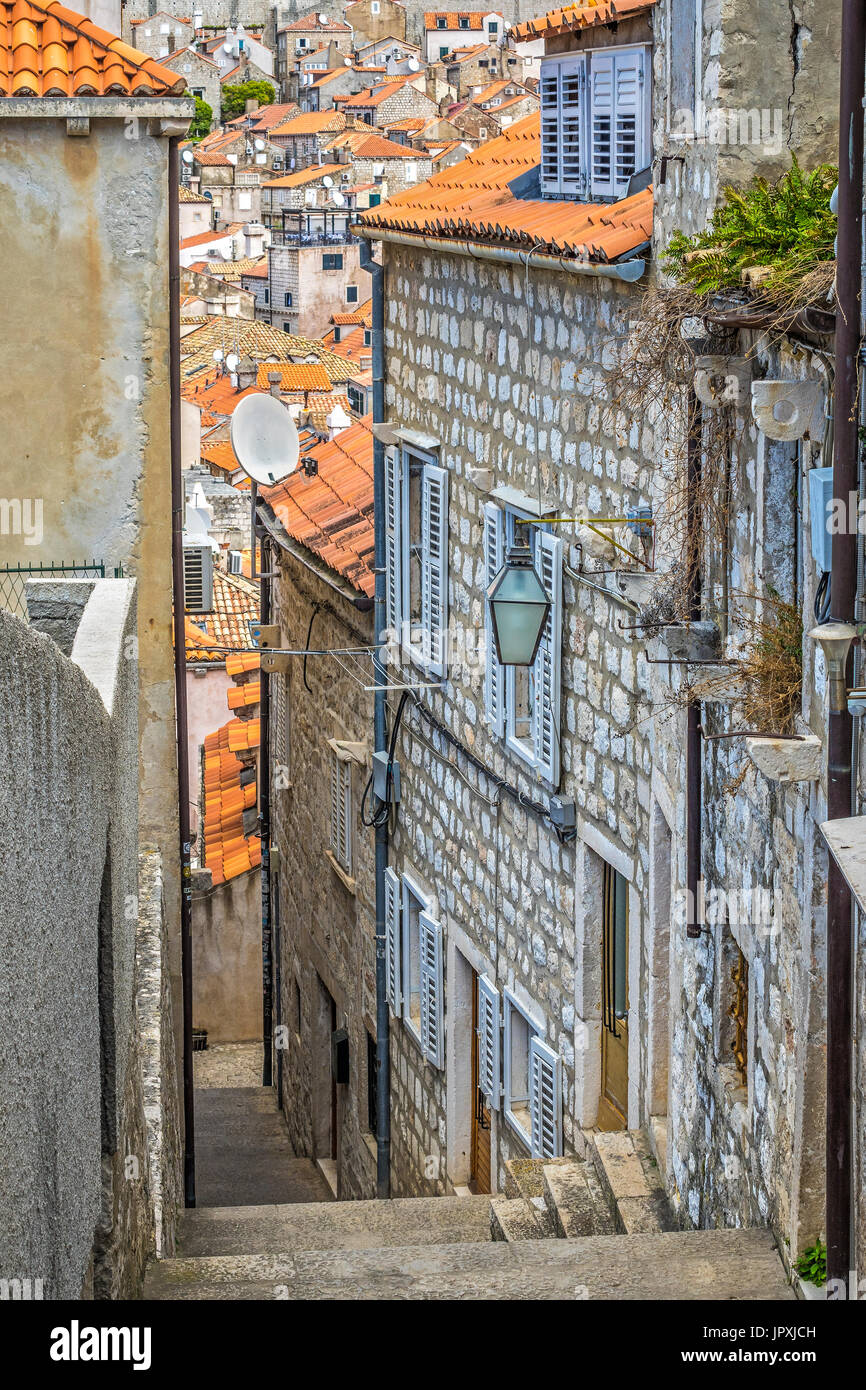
(218, 355)
(233, 361)
(337, 199)
(227, 48)
(414, 65)
(264, 439)
(323, 19)
(259, 144)
(187, 156)
(328, 181)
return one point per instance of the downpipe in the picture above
(383, 1018)
(265, 819)
(177, 519)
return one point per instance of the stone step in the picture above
(515, 1218)
(236, 1100)
(284, 1229)
(630, 1181)
(576, 1201)
(677, 1265)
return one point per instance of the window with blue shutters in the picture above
(532, 1090)
(416, 557)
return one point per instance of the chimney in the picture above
(251, 105)
(274, 382)
(247, 373)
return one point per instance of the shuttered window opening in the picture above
(341, 811)
(489, 1035)
(595, 123)
(430, 951)
(532, 1091)
(416, 557)
(523, 703)
(393, 942)
(414, 968)
(280, 730)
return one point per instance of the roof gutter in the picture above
(629, 271)
(275, 528)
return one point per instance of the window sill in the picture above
(345, 879)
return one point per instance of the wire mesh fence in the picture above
(14, 577)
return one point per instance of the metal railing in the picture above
(14, 577)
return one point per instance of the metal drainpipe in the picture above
(693, 716)
(840, 991)
(265, 825)
(383, 1020)
(177, 518)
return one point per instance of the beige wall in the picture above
(227, 957)
(84, 364)
(207, 710)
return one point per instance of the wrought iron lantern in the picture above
(519, 606)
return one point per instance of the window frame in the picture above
(510, 1006)
(431, 656)
(590, 65)
(411, 888)
(429, 1034)
(341, 778)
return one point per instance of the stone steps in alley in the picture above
(268, 1230)
(243, 1153)
(630, 1181)
(675, 1265)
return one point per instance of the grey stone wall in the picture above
(327, 919)
(77, 1204)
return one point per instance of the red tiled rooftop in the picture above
(574, 18)
(472, 200)
(50, 51)
(308, 23)
(453, 17)
(294, 376)
(331, 513)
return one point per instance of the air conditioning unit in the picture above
(236, 562)
(198, 579)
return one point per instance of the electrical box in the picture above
(563, 813)
(820, 495)
(340, 1056)
(380, 779)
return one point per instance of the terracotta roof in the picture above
(356, 318)
(577, 17)
(173, 57)
(186, 195)
(512, 101)
(472, 199)
(231, 270)
(295, 376)
(350, 346)
(235, 602)
(259, 271)
(212, 159)
(493, 89)
(307, 24)
(237, 665)
(201, 237)
(242, 696)
(463, 55)
(311, 123)
(321, 78)
(51, 51)
(453, 17)
(302, 176)
(227, 851)
(266, 117)
(407, 123)
(219, 453)
(369, 145)
(331, 513)
(373, 96)
(255, 339)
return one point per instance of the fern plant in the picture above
(786, 226)
(812, 1264)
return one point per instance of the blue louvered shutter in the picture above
(393, 954)
(548, 661)
(545, 1100)
(434, 567)
(432, 1008)
(393, 527)
(629, 125)
(494, 674)
(601, 134)
(488, 1041)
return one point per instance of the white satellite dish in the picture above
(414, 65)
(187, 156)
(347, 62)
(323, 19)
(264, 439)
(228, 48)
(259, 144)
(233, 361)
(337, 199)
(328, 181)
(218, 355)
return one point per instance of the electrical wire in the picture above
(380, 816)
(307, 643)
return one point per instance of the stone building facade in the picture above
(375, 19)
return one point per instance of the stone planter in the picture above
(787, 759)
(811, 1292)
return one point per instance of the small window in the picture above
(410, 172)
(368, 337)
(493, 30)
(518, 1032)
(332, 260)
(422, 987)
(341, 810)
(533, 1082)
(443, 52)
(287, 328)
(374, 6)
(441, 23)
(351, 294)
(288, 299)
(464, 23)
(413, 906)
(267, 294)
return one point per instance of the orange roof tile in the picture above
(331, 513)
(236, 604)
(214, 394)
(576, 17)
(310, 123)
(201, 237)
(308, 23)
(228, 793)
(373, 96)
(266, 117)
(369, 145)
(302, 176)
(295, 376)
(407, 123)
(245, 695)
(472, 199)
(240, 664)
(51, 51)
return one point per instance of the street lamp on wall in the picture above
(519, 606)
(835, 641)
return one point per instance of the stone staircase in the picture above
(571, 1228)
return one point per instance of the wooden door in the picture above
(479, 1172)
(613, 1101)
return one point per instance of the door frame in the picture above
(465, 960)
